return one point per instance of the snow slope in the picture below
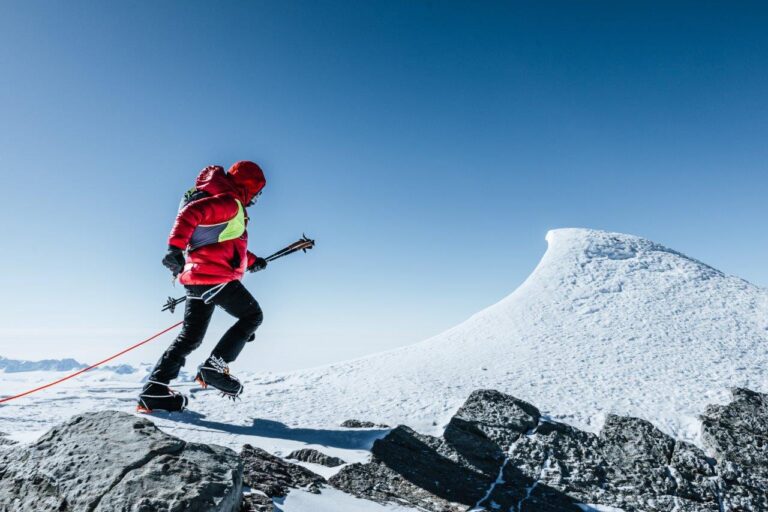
(607, 323)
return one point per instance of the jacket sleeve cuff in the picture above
(251, 259)
(172, 242)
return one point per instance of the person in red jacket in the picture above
(207, 251)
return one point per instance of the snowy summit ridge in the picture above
(599, 270)
(606, 323)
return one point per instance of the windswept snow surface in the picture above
(607, 323)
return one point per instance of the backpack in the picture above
(192, 195)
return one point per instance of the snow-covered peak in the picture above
(588, 270)
(606, 323)
(584, 244)
(579, 246)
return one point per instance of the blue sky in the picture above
(427, 146)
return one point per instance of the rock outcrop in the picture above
(273, 476)
(737, 435)
(255, 502)
(443, 474)
(315, 457)
(498, 453)
(113, 461)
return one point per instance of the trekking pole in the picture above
(302, 244)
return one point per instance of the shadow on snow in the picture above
(343, 439)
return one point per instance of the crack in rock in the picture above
(137, 465)
(110, 460)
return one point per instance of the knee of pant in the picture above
(172, 357)
(188, 341)
(254, 317)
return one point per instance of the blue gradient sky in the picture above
(428, 146)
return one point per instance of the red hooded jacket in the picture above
(216, 262)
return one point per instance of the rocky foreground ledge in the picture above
(111, 461)
(497, 453)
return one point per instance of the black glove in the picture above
(174, 260)
(258, 264)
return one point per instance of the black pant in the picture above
(232, 298)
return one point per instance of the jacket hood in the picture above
(249, 178)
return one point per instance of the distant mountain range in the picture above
(55, 365)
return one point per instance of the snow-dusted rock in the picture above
(630, 465)
(417, 470)
(737, 434)
(498, 453)
(450, 473)
(489, 414)
(315, 457)
(275, 477)
(254, 502)
(361, 424)
(113, 461)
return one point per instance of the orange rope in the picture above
(50, 384)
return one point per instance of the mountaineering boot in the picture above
(215, 372)
(158, 396)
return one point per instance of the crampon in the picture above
(214, 372)
(158, 396)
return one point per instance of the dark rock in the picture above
(380, 483)
(492, 415)
(540, 470)
(498, 453)
(273, 476)
(253, 502)
(693, 472)
(488, 423)
(635, 443)
(630, 465)
(638, 455)
(416, 470)
(362, 424)
(315, 457)
(737, 431)
(737, 435)
(435, 465)
(450, 473)
(113, 461)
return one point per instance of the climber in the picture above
(207, 252)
